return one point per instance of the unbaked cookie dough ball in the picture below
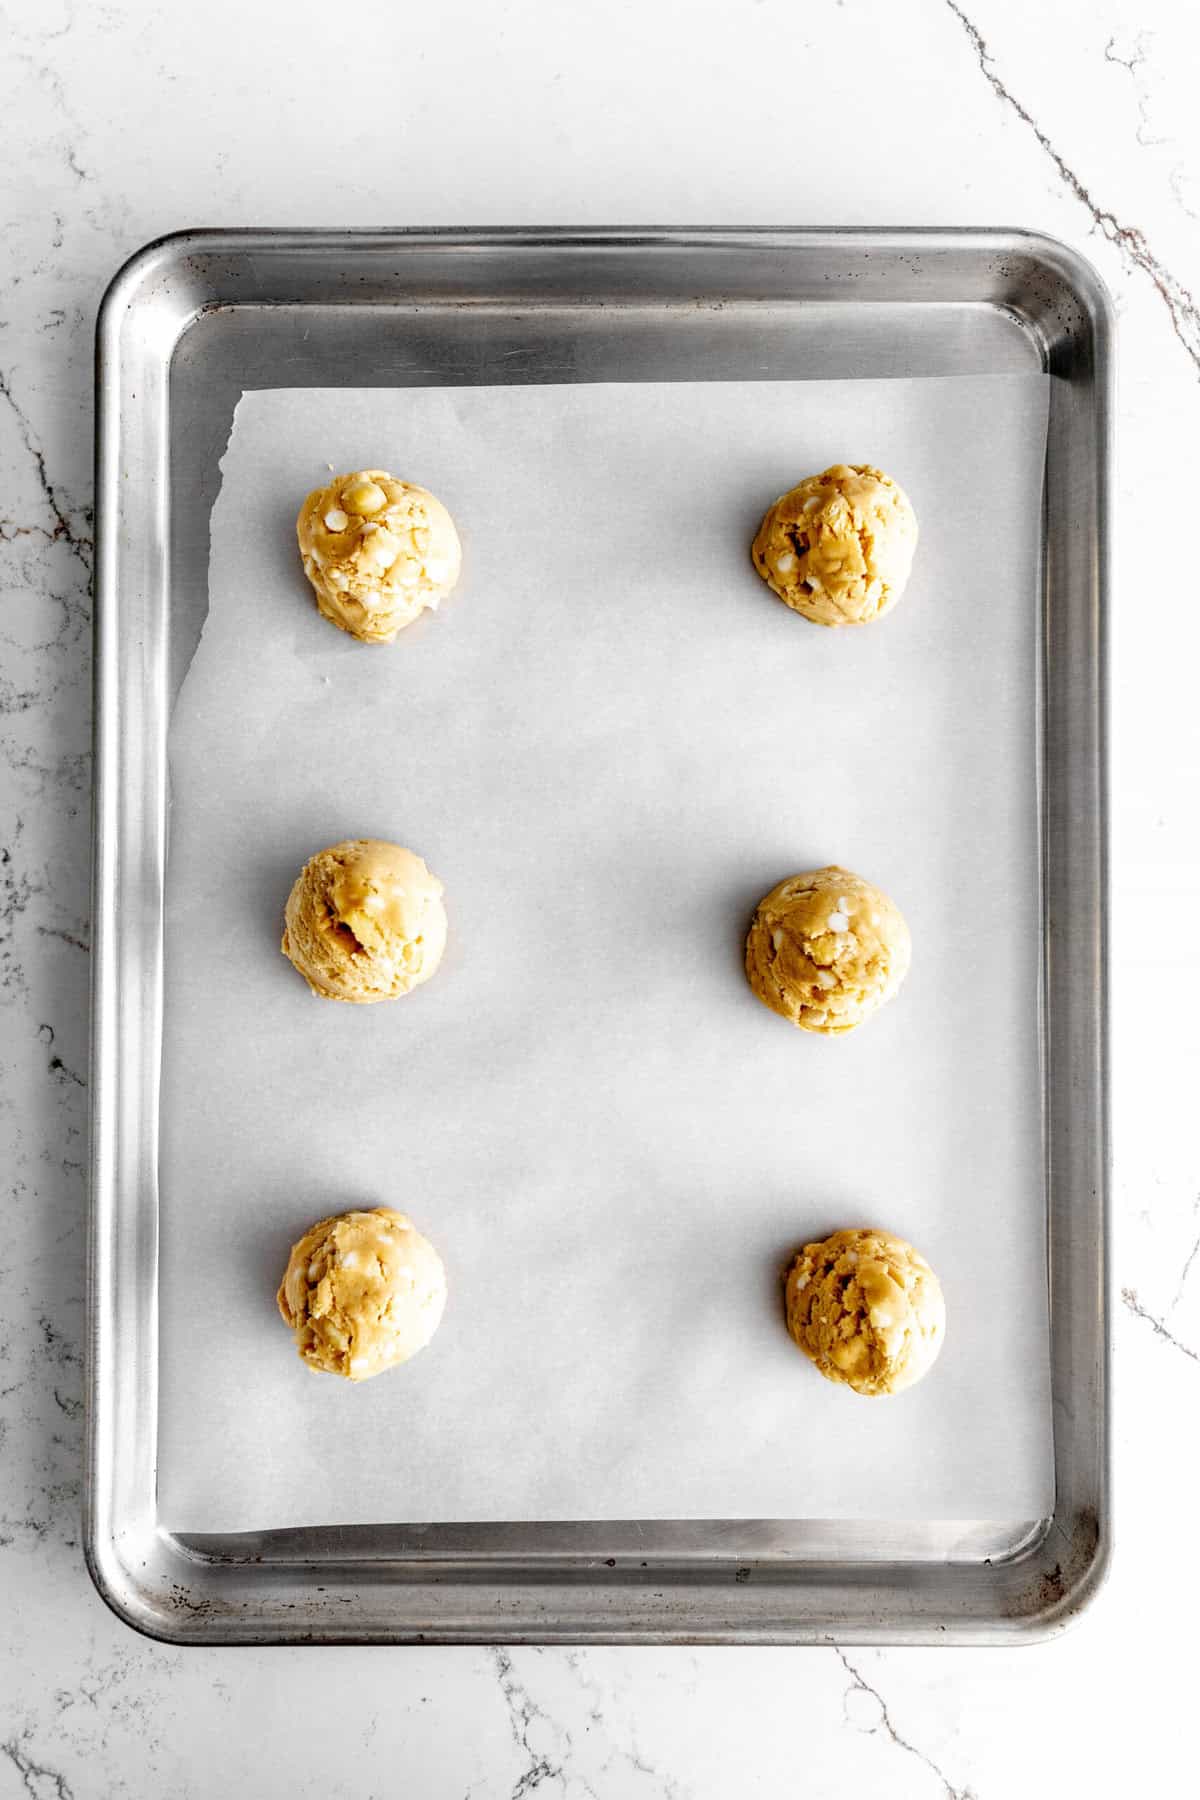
(826, 950)
(362, 1292)
(867, 1309)
(378, 551)
(365, 921)
(839, 547)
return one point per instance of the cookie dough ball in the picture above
(839, 547)
(362, 1292)
(867, 1309)
(826, 950)
(365, 921)
(378, 551)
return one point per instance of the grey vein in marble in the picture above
(522, 1714)
(33, 1774)
(45, 35)
(861, 1685)
(670, 1789)
(1175, 181)
(1128, 239)
(560, 1770)
(68, 937)
(79, 542)
(1129, 1296)
(1186, 1271)
(1134, 62)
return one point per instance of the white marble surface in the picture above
(118, 122)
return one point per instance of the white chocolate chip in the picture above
(838, 921)
(365, 497)
(380, 548)
(785, 563)
(812, 503)
(777, 939)
(336, 520)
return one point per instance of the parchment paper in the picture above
(610, 742)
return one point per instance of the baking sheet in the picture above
(609, 743)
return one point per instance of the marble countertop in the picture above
(122, 121)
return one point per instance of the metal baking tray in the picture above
(187, 325)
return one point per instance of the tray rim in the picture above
(1065, 1569)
